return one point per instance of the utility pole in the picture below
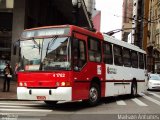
(138, 23)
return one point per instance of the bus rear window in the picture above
(141, 61)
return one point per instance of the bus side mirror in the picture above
(76, 68)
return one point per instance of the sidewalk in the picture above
(11, 95)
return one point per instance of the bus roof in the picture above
(87, 32)
(115, 41)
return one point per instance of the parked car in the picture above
(153, 82)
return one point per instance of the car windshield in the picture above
(154, 77)
(45, 54)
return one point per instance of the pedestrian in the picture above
(16, 68)
(15, 71)
(7, 77)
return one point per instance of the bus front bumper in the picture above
(58, 94)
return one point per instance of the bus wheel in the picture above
(51, 103)
(94, 94)
(134, 89)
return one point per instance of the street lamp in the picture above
(112, 32)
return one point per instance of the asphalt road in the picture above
(145, 107)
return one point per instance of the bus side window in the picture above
(145, 61)
(141, 61)
(107, 50)
(79, 54)
(94, 47)
(134, 59)
(118, 60)
(126, 57)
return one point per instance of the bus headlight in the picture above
(63, 84)
(20, 84)
(25, 84)
(57, 84)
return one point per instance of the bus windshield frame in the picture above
(45, 54)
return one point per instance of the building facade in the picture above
(127, 20)
(6, 15)
(135, 22)
(153, 43)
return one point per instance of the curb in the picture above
(5, 99)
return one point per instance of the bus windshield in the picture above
(44, 54)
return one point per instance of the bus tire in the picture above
(51, 103)
(133, 89)
(94, 94)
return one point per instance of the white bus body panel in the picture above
(123, 73)
(119, 74)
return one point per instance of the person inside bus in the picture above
(7, 77)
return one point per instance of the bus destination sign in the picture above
(45, 32)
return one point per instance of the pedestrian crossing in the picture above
(139, 102)
(144, 100)
(154, 94)
(152, 97)
(120, 102)
(22, 110)
(31, 107)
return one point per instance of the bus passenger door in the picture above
(79, 61)
(85, 69)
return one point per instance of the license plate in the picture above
(41, 97)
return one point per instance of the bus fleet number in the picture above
(62, 75)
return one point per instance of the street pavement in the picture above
(11, 95)
(144, 107)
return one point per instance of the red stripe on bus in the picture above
(111, 81)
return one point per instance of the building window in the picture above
(7, 4)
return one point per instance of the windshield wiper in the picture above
(51, 43)
(48, 47)
(37, 44)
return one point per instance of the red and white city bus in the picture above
(70, 63)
